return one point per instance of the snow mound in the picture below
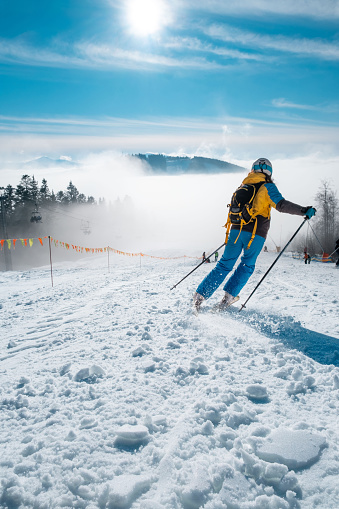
(197, 366)
(257, 392)
(138, 352)
(89, 375)
(149, 366)
(295, 449)
(195, 494)
(131, 435)
(125, 489)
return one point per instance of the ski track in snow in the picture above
(115, 395)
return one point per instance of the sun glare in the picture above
(146, 17)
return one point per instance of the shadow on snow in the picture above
(321, 348)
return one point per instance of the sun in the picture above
(146, 17)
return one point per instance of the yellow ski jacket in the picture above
(267, 196)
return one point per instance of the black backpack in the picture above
(242, 202)
(240, 212)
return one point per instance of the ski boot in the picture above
(197, 301)
(227, 301)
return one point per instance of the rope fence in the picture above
(11, 243)
(29, 242)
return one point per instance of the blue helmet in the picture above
(262, 165)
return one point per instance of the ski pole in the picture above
(329, 256)
(195, 268)
(275, 261)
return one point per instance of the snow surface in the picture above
(113, 394)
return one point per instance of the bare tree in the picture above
(326, 223)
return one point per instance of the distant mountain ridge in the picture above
(160, 164)
(40, 163)
(47, 162)
(154, 164)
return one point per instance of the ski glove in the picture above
(308, 211)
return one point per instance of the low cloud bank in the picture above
(187, 212)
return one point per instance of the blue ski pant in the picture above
(231, 253)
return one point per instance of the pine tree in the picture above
(72, 193)
(24, 191)
(9, 200)
(44, 192)
(34, 191)
(60, 197)
(81, 198)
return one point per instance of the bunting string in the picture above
(80, 249)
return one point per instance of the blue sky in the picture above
(169, 76)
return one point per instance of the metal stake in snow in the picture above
(275, 261)
(50, 258)
(195, 268)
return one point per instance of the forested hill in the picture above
(155, 164)
(160, 164)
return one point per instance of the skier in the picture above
(216, 255)
(204, 259)
(248, 238)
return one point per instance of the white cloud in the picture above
(283, 103)
(316, 9)
(241, 139)
(20, 52)
(300, 46)
(194, 44)
(104, 55)
(96, 56)
(105, 124)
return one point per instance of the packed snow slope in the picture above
(113, 394)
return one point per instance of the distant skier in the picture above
(307, 258)
(204, 259)
(216, 256)
(248, 237)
